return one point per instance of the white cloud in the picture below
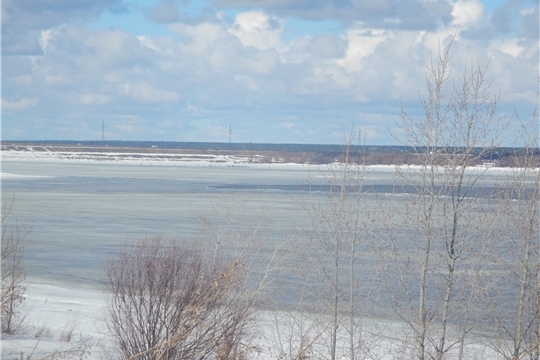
(56, 79)
(255, 28)
(129, 128)
(362, 43)
(144, 91)
(368, 133)
(92, 99)
(106, 50)
(467, 12)
(46, 36)
(213, 74)
(200, 38)
(327, 46)
(528, 11)
(20, 104)
(507, 46)
(286, 125)
(393, 21)
(149, 43)
(247, 81)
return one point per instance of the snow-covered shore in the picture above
(60, 319)
(55, 319)
(212, 158)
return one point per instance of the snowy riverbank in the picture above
(211, 158)
(60, 319)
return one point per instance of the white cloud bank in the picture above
(214, 71)
(20, 104)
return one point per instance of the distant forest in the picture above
(338, 149)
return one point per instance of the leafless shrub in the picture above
(166, 301)
(291, 330)
(13, 272)
(79, 350)
(66, 333)
(43, 331)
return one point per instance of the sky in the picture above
(271, 71)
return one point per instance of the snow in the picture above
(4, 175)
(54, 311)
(210, 159)
(50, 314)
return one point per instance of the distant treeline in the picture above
(323, 148)
(331, 150)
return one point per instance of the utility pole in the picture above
(230, 133)
(102, 131)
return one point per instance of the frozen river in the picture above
(81, 212)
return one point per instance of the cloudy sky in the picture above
(277, 71)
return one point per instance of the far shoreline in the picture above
(222, 158)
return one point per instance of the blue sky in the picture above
(278, 71)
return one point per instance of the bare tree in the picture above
(435, 256)
(293, 332)
(235, 228)
(13, 271)
(165, 302)
(518, 321)
(336, 277)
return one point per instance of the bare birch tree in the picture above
(434, 257)
(516, 306)
(337, 271)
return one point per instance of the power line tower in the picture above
(102, 131)
(230, 135)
